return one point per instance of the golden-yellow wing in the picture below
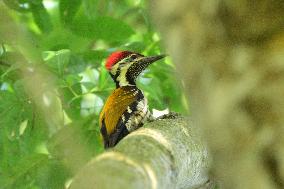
(115, 106)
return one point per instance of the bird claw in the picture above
(170, 115)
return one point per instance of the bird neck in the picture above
(122, 80)
(118, 86)
(124, 84)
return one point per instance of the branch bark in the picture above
(167, 153)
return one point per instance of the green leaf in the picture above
(106, 28)
(41, 16)
(95, 56)
(24, 167)
(16, 144)
(72, 79)
(16, 5)
(136, 46)
(52, 175)
(77, 64)
(84, 132)
(68, 10)
(72, 100)
(57, 60)
(91, 7)
(63, 38)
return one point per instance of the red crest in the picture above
(116, 57)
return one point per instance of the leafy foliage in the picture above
(53, 82)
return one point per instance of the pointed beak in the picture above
(150, 59)
(142, 63)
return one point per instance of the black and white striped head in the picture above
(125, 66)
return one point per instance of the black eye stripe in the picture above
(122, 64)
(133, 56)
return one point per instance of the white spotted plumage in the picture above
(129, 109)
(138, 117)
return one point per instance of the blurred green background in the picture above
(53, 82)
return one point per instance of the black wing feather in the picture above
(120, 132)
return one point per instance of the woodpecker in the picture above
(126, 109)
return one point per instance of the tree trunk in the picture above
(166, 154)
(230, 56)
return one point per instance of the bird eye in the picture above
(133, 56)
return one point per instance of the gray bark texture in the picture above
(230, 55)
(164, 154)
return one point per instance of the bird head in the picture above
(125, 66)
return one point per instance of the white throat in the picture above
(122, 76)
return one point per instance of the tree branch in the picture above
(165, 154)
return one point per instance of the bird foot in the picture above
(170, 115)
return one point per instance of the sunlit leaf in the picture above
(16, 5)
(41, 16)
(57, 60)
